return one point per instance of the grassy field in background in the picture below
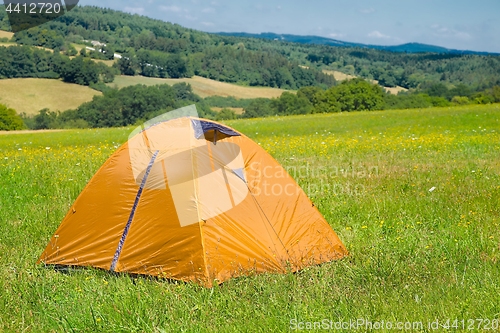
(202, 86)
(6, 34)
(414, 195)
(32, 95)
(339, 76)
(235, 110)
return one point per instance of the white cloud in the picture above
(445, 32)
(208, 10)
(378, 34)
(336, 35)
(173, 9)
(207, 24)
(134, 10)
(367, 10)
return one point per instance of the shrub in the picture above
(10, 120)
(460, 100)
(226, 114)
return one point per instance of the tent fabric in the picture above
(173, 205)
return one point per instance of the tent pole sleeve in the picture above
(132, 213)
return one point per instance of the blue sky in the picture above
(459, 24)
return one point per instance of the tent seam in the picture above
(202, 238)
(121, 243)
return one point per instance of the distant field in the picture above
(202, 86)
(31, 95)
(236, 110)
(106, 62)
(78, 47)
(4, 34)
(339, 76)
(395, 90)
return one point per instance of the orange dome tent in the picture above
(193, 200)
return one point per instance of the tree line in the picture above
(352, 95)
(24, 62)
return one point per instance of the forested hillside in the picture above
(159, 49)
(407, 48)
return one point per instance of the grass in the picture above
(416, 254)
(32, 95)
(109, 63)
(235, 110)
(6, 34)
(339, 76)
(202, 86)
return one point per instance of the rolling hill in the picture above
(202, 86)
(31, 95)
(6, 34)
(404, 48)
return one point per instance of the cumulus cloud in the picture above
(134, 10)
(336, 35)
(367, 10)
(445, 32)
(173, 9)
(378, 34)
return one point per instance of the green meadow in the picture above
(413, 194)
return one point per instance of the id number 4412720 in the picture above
(34, 8)
(468, 324)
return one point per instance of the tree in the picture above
(460, 100)
(437, 90)
(259, 107)
(289, 104)
(226, 114)
(10, 120)
(127, 64)
(495, 94)
(45, 119)
(352, 95)
(81, 71)
(311, 93)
